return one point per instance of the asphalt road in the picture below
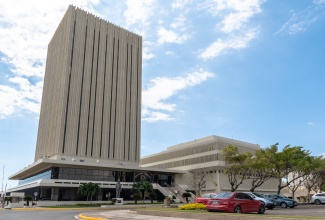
(303, 210)
(39, 215)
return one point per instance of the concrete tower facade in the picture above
(91, 103)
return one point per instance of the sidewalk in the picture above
(128, 215)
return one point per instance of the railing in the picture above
(162, 190)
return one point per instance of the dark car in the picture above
(236, 202)
(266, 201)
(205, 198)
(282, 201)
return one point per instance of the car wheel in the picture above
(237, 209)
(261, 210)
(283, 205)
(317, 202)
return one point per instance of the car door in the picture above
(322, 197)
(252, 204)
(241, 200)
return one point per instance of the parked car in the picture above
(318, 198)
(282, 201)
(263, 196)
(266, 201)
(236, 202)
(205, 198)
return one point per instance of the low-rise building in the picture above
(204, 155)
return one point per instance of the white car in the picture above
(318, 198)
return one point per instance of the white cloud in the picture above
(221, 46)
(179, 23)
(26, 28)
(170, 53)
(301, 20)
(138, 12)
(319, 2)
(161, 89)
(169, 36)
(22, 96)
(311, 123)
(180, 4)
(146, 54)
(154, 116)
(235, 13)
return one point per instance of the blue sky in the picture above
(251, 70)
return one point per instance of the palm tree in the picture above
(88, 189)
(93, 188)
(152, 195)
(144, 187)
(83, 190)
(136, 197)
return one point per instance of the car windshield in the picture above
(258, 195)
(224, 195)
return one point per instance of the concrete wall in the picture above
(218, 182)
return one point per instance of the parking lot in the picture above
(300, 210)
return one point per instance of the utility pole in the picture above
(2, 193)
(3, 176)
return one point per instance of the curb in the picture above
(54, 209)
(81, 216)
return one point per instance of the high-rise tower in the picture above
(91, 104)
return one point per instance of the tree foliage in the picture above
(89, 190)
(143, 187)
(259, 168)
(236, 166)
(289, 160)
(291, 166)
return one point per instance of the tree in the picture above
(259, 169)
(152, 195)
(198, 180)
(293, 187)
(94, 188)
(310, 183)
(89, 190)
(236, 166)
(320, 176)
(142, 187)
(136, 197)
(289, 160)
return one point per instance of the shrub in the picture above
(192, 206)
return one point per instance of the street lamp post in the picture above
(35, 194)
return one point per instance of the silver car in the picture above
(268, 203)
(318, 198)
